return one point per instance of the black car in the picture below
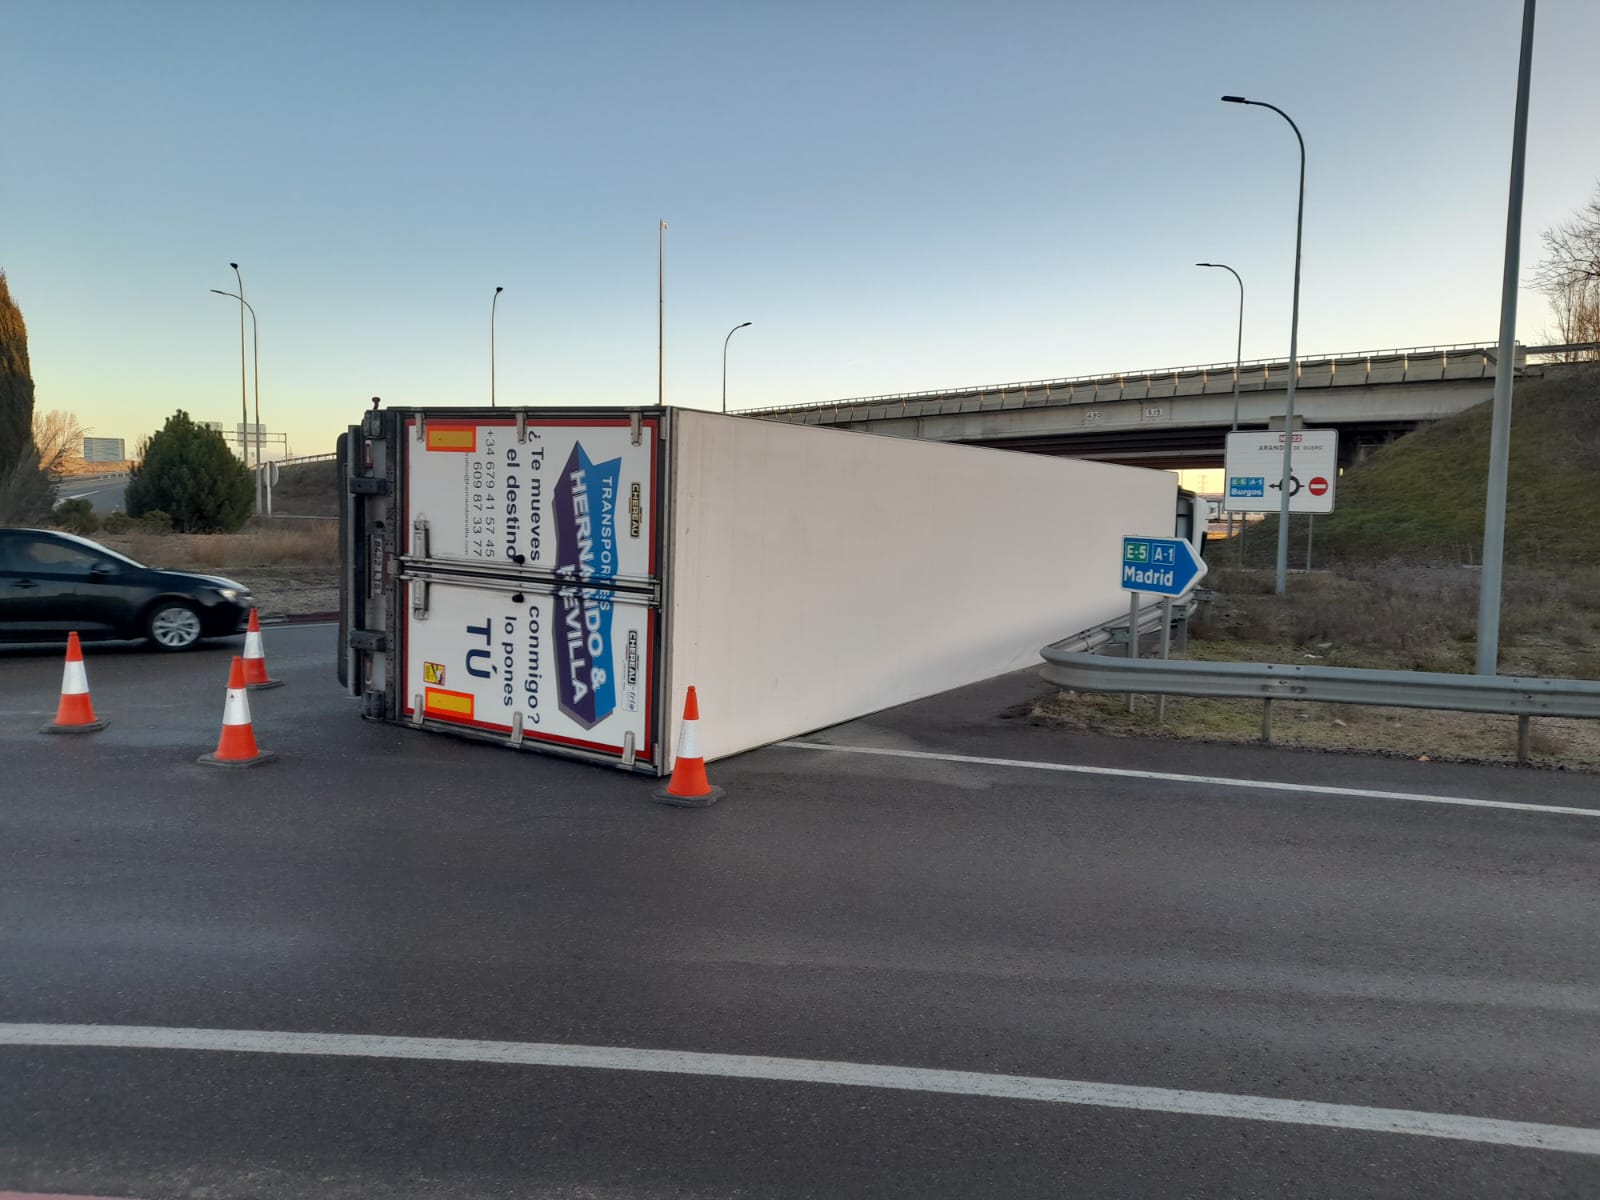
(52, 583)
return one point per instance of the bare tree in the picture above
(58, 437)
(28, 485)
(1569, 276)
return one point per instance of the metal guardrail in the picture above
(1523, 697)
(1115, 630)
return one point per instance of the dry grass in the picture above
(1406, 618)
(306, 544)
(308, 490)
(291, 569)
(1395, 618)
(1350, 728)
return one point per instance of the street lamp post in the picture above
(725, 342)
(1294, 339)
(244, 436)
(1494, 510)
(244, 398)
(661, 314)
(1238, 359)
(1238, 347)
(493, 304)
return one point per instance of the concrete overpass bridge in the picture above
(1176, 417)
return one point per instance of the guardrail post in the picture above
(1166, 645)
(1266, 720)
(1133, 634)
(1523, 722)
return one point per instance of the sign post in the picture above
(1161, 566)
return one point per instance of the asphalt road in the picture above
(838, 907)
(106, 496)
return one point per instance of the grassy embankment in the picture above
(1397, 587)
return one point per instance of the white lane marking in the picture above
(1530, 1135)
(1264, 785)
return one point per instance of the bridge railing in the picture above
(1462, 360)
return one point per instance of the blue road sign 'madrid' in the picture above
(1160, 566)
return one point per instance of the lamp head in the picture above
(498, 290)
(1234, 100)
(1205, 264)
(235, 266)
(747, 323)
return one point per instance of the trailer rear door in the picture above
(527, 594)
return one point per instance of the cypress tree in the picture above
(16, 383)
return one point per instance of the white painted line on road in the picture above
(1566, 1138)
(1264, 785)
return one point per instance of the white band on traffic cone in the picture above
(237, 709)
(74, 679)
(688, 740)
(252, 644)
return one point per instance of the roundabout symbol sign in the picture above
(1254, 469)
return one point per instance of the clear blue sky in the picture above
(899, 195)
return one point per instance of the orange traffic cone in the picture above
(75, 714)
(689, 787)
(255, 662)
(237, 746)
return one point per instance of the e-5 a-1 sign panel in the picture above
(1254, 471)
(1160, 566)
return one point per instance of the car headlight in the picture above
(231, 594)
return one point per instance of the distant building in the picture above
(98, 450)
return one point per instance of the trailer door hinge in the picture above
(629, 751)
(419, 599)
(633, 428)
(516, 729)
(522, 425)
(419, 538)
(367, 485)
(372, 640)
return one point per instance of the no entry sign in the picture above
(1318, 486)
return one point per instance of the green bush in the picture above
(117, 522)
(76, 516)
(155, 521)
(189, 474)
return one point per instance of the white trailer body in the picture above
(556, 578)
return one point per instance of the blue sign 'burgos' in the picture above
(586, 553)
(1160, 566)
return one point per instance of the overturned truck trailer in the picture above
(555, 579)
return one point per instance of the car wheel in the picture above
(172, 625)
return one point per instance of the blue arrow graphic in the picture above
(1160, 566)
